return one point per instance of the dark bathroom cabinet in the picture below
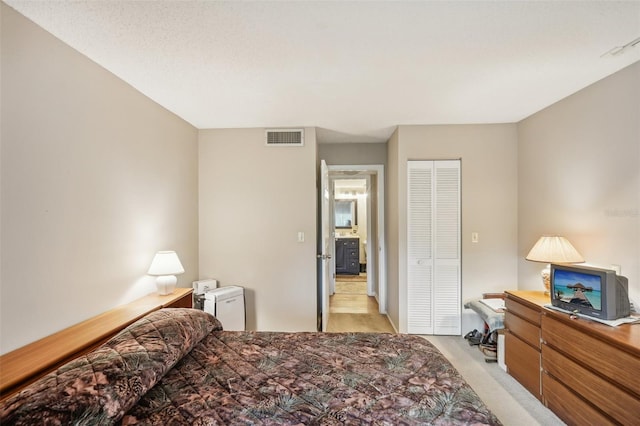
(348, 256)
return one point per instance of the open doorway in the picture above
(357, 211)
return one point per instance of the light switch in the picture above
(301, 237)
(474, 237)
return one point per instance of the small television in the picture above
(595, 292)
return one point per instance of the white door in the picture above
(433, 247)
(325, 254)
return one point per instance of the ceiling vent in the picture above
(285, 137)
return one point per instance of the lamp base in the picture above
(546, 279)
(166, 284)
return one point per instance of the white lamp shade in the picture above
(165, 263)
(554, 249)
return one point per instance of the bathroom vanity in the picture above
(348, 256)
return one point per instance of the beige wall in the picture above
(254, 199)
(488, 156)
(95, 178)
(353, 153)
(579, 176)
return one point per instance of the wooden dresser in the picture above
(588, 373)
(523, 345)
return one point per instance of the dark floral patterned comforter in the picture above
(252, 378)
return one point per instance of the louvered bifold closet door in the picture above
(420, 247)
(433, 250)
(446, 295)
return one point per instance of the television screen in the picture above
(578, 288)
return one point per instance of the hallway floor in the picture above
(351, 310)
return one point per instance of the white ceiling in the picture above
(355, 70)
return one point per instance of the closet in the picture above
(433, 247)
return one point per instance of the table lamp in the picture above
(553, 249)
(166, 266)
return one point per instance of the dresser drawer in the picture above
(618, 404)
(350, 242)
(568, 406)
(615, 364)
(522, 311)
(523, 329)
(523, 363)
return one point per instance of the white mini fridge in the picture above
(227, 304)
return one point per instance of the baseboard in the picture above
(395, 329)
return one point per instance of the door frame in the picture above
(366, 171)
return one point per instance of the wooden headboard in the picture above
(28, 363)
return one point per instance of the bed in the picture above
(177, 366)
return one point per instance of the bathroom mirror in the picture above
(346, 213)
